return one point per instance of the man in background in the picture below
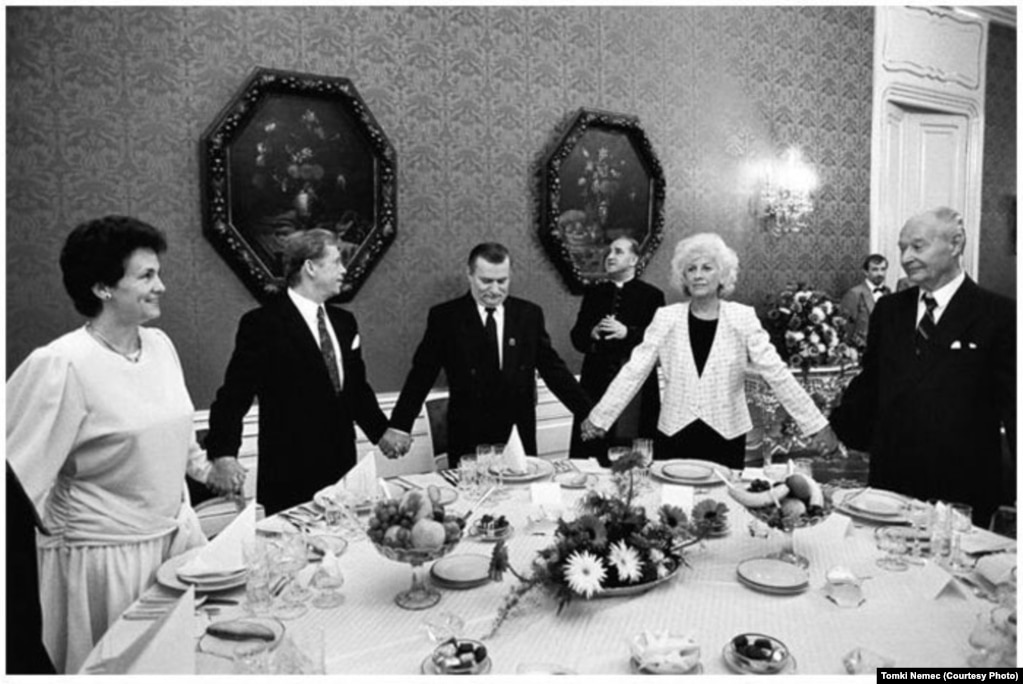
(491, 347)
(938, 383)
(858, 302)
(612, 319)
(302, 360)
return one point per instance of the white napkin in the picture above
(223, 555)
(750, 474)
(166, 647)
(996, 568)
(589, 465)
(677, 495)
(362, 479)
(982, 541)
(514, 454)
(665, 653)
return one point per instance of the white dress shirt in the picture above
(499, 320)
(943, 295)
(308, 309)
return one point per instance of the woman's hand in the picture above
(827, 443)
(588, 431)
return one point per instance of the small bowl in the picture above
(663, 652)
(440, 657)
(775, 660)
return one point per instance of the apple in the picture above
(428, 534)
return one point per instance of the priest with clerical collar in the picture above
(612, 320)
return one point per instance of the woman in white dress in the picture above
(100, 436)
(705, 347)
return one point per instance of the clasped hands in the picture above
(609, 328)
(226, 476)
(395, 443)
(588, 431)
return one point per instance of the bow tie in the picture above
(879, 290)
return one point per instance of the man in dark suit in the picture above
(858, 302)
(303, 362)
(492, 386)
(939, 377)
(612, 319)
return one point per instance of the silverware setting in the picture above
(451, 476)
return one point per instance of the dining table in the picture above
(902, 618)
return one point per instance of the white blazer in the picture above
(718, 397)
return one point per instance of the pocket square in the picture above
(972, 345)
(957, 345)
(356, 342)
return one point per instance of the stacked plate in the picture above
(772, 576)
(875, 505)
(536, 469)
(169, 575)
(461, 572)
(689, 472)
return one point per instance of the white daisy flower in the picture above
(626, 562)
(584, 573)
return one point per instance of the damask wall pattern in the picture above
(106, 106)
(998, 239)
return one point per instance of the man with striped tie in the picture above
(938, 384)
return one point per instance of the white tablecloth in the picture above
(370, 634)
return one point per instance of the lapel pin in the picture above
(511, 341)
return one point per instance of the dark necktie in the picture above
(926, 328)
(327, 350)
(491, 330)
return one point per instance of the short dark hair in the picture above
(302, 246)
(874, 259)
(632, 242)
(491, 252)
(96, 252)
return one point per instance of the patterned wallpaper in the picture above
(997, 245)
(106, 105)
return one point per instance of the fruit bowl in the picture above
(420, 595)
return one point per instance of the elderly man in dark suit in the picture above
(492, 384)
(612, 319)
(939, 377)
(858, 302)
(303, 362)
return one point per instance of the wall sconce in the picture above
(785, 203)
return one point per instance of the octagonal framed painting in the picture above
(600, 181)
(291, 152)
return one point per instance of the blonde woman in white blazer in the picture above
(705, 347)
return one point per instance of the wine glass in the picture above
(893, 543)
(645, 448)
(468, 477)
(288, 561)
(258, 600)
(489, 472)
(327, 579)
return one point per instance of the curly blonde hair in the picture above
(705, 245)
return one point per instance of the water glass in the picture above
(892, 541)
(960, 522)
(258, 600)
(941, 530)
(803, 465)
(327, 580)
(468, 477)
(920, 515)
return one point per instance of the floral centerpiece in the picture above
(808, 328)
(611, 544)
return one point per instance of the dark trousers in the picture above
(700, 441)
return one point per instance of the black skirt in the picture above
(699, 440)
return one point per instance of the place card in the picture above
(677, 495)
(933, 581)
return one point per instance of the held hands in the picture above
(395, 443)
(588, 431)
(827, 443)
(226, 476)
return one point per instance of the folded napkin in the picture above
(166, 647)
(223, 555)
(589, 465)
(985, 541)
(996, 568)
(514, 454)
(665, 653)
(933, 581)
(362, 479)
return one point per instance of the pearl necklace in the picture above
(133, 357)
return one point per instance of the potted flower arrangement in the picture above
(808, 329)
(611, 548)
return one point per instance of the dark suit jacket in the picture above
(932, 424)
(483, 405)
(306, 436)
(634, 306)
(857, 305)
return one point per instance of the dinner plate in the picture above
(167, 575)
(763, 589)
(877, 502)
(536, 469)
(689, 471)
(462, 572)
(771, 573)
(843, 505)
(228, 648)
(332, 494)
(574, 480)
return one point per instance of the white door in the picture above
(925, 158)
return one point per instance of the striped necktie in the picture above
(926, 328)
(327, 350)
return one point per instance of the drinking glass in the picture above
(941, 530)
(644, 447)
(468, 477)
(960, 522)
(258, 600)
(327, 580)
(919, 514)
(488, 475)
(893, 543)
(443, 626)
(289, 559)
(803, 465)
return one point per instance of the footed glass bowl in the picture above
(420, 595)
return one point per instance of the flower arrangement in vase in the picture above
(808, 328)
(611, 548)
